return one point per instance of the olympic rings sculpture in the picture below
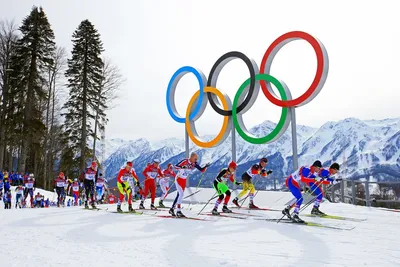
(247, 92)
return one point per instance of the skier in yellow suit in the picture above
(256, 169)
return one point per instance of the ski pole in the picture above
(196, 187)
(207, 203)
(312, 200)
(243, 200)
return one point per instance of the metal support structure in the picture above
(294, 138)
(233, 136)
(367, 200)
(342, 191)
(353, 192)
(187, 153)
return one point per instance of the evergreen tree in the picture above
(84, 82)
(8, 40)
(34, 54)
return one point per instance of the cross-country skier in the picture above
(88, 177)
(75, 191)
(256, 169)
(111, 199)
(38, 200)
(29, 184)
(305, 175)
(1, 188)
(185, 168)
(164, 183)
(19, 196)
(7, 199)
(315, 187)
(133, 182)
(59, 188)
(222, 189)
(150, 173)
(100, 185)
(123, 185)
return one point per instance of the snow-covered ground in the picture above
(73, 236)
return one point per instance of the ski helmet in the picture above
(61, 174)
(129, 163)
(264, 160)
(156, 161)
(233, 165)
(317, 164)
(76, 180)
(335, 166)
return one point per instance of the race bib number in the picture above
(38, 199)
(75, 188)
(90, 176)
(60, 184)
(296, 176)
(125, 178)
(99, 184)
(152, 174)
(29, 186)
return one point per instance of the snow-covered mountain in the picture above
(363, 148)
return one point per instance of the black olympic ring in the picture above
(253, 88)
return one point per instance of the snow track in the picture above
(76, 237)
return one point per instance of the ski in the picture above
(175, 217)
(245, 208)
(224, 215)
(311, 224)
(334, 217)
(97, 209)
(128, 212)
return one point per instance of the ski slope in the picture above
(72, 236)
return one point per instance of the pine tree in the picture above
(8, 40)
(84, 82)
(34, 54)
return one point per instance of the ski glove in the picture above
(238, 183)
(318, 179)
(269, 172)
(207, 165)
(123, 185)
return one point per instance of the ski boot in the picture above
(94, 206)
(153, 207)
(286, 212)
(297, 219)
(252, 206)
(317, 212)
(130, 208)
(235, 201)
(119, 208)
(226, 210)
(171, 211)
(86, 205)
(161, 204)
(141, 206)
(215, 212)
(179, 214)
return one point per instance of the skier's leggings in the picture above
(180, 188)
(89, 189)
(295, 192)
